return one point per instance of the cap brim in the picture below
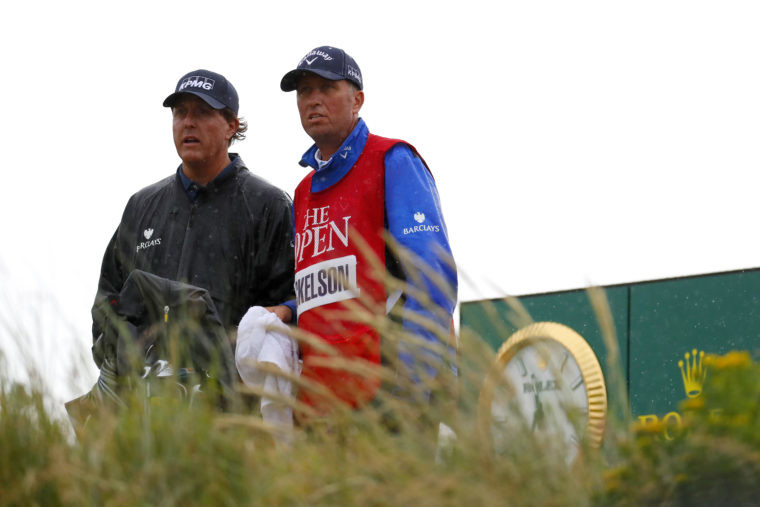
(290, 80)
(211, 101)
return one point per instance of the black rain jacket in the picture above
(148, 313)
(235, 241)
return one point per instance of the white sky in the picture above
(573, 142)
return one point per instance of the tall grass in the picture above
(165, 451)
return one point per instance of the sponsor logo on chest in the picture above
(149, 242)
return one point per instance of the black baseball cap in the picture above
(213, 88)
(326, 61)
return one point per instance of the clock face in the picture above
(544, 384)
(547, 380)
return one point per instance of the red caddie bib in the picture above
(339, 250)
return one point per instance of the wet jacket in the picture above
(234, 240)
(150, 310)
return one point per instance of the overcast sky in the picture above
(573, 142)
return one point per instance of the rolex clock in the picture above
(546, 379)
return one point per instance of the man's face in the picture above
(329, 109)
(201, 133)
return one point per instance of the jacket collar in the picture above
(342, 160)
(192, 188)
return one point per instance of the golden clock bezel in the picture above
(593, 378)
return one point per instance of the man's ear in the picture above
(234, 125)
(358, 101)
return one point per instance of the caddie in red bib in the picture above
(360, 187)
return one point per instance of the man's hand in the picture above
(282, 312)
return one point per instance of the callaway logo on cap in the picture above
(213, 88)
(325, 61)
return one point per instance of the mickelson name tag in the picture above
(326, 282)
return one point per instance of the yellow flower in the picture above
(739, 420)
(733, 359)
(693, 404)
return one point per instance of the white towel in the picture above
(263, 338)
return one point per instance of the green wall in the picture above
(656, 324)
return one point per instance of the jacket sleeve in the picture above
(273, 261)
(415, 222)
(109, 284)
(114, 270)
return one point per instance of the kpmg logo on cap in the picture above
(315, 53)
(196, 82)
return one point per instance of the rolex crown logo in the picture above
(692, 373)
